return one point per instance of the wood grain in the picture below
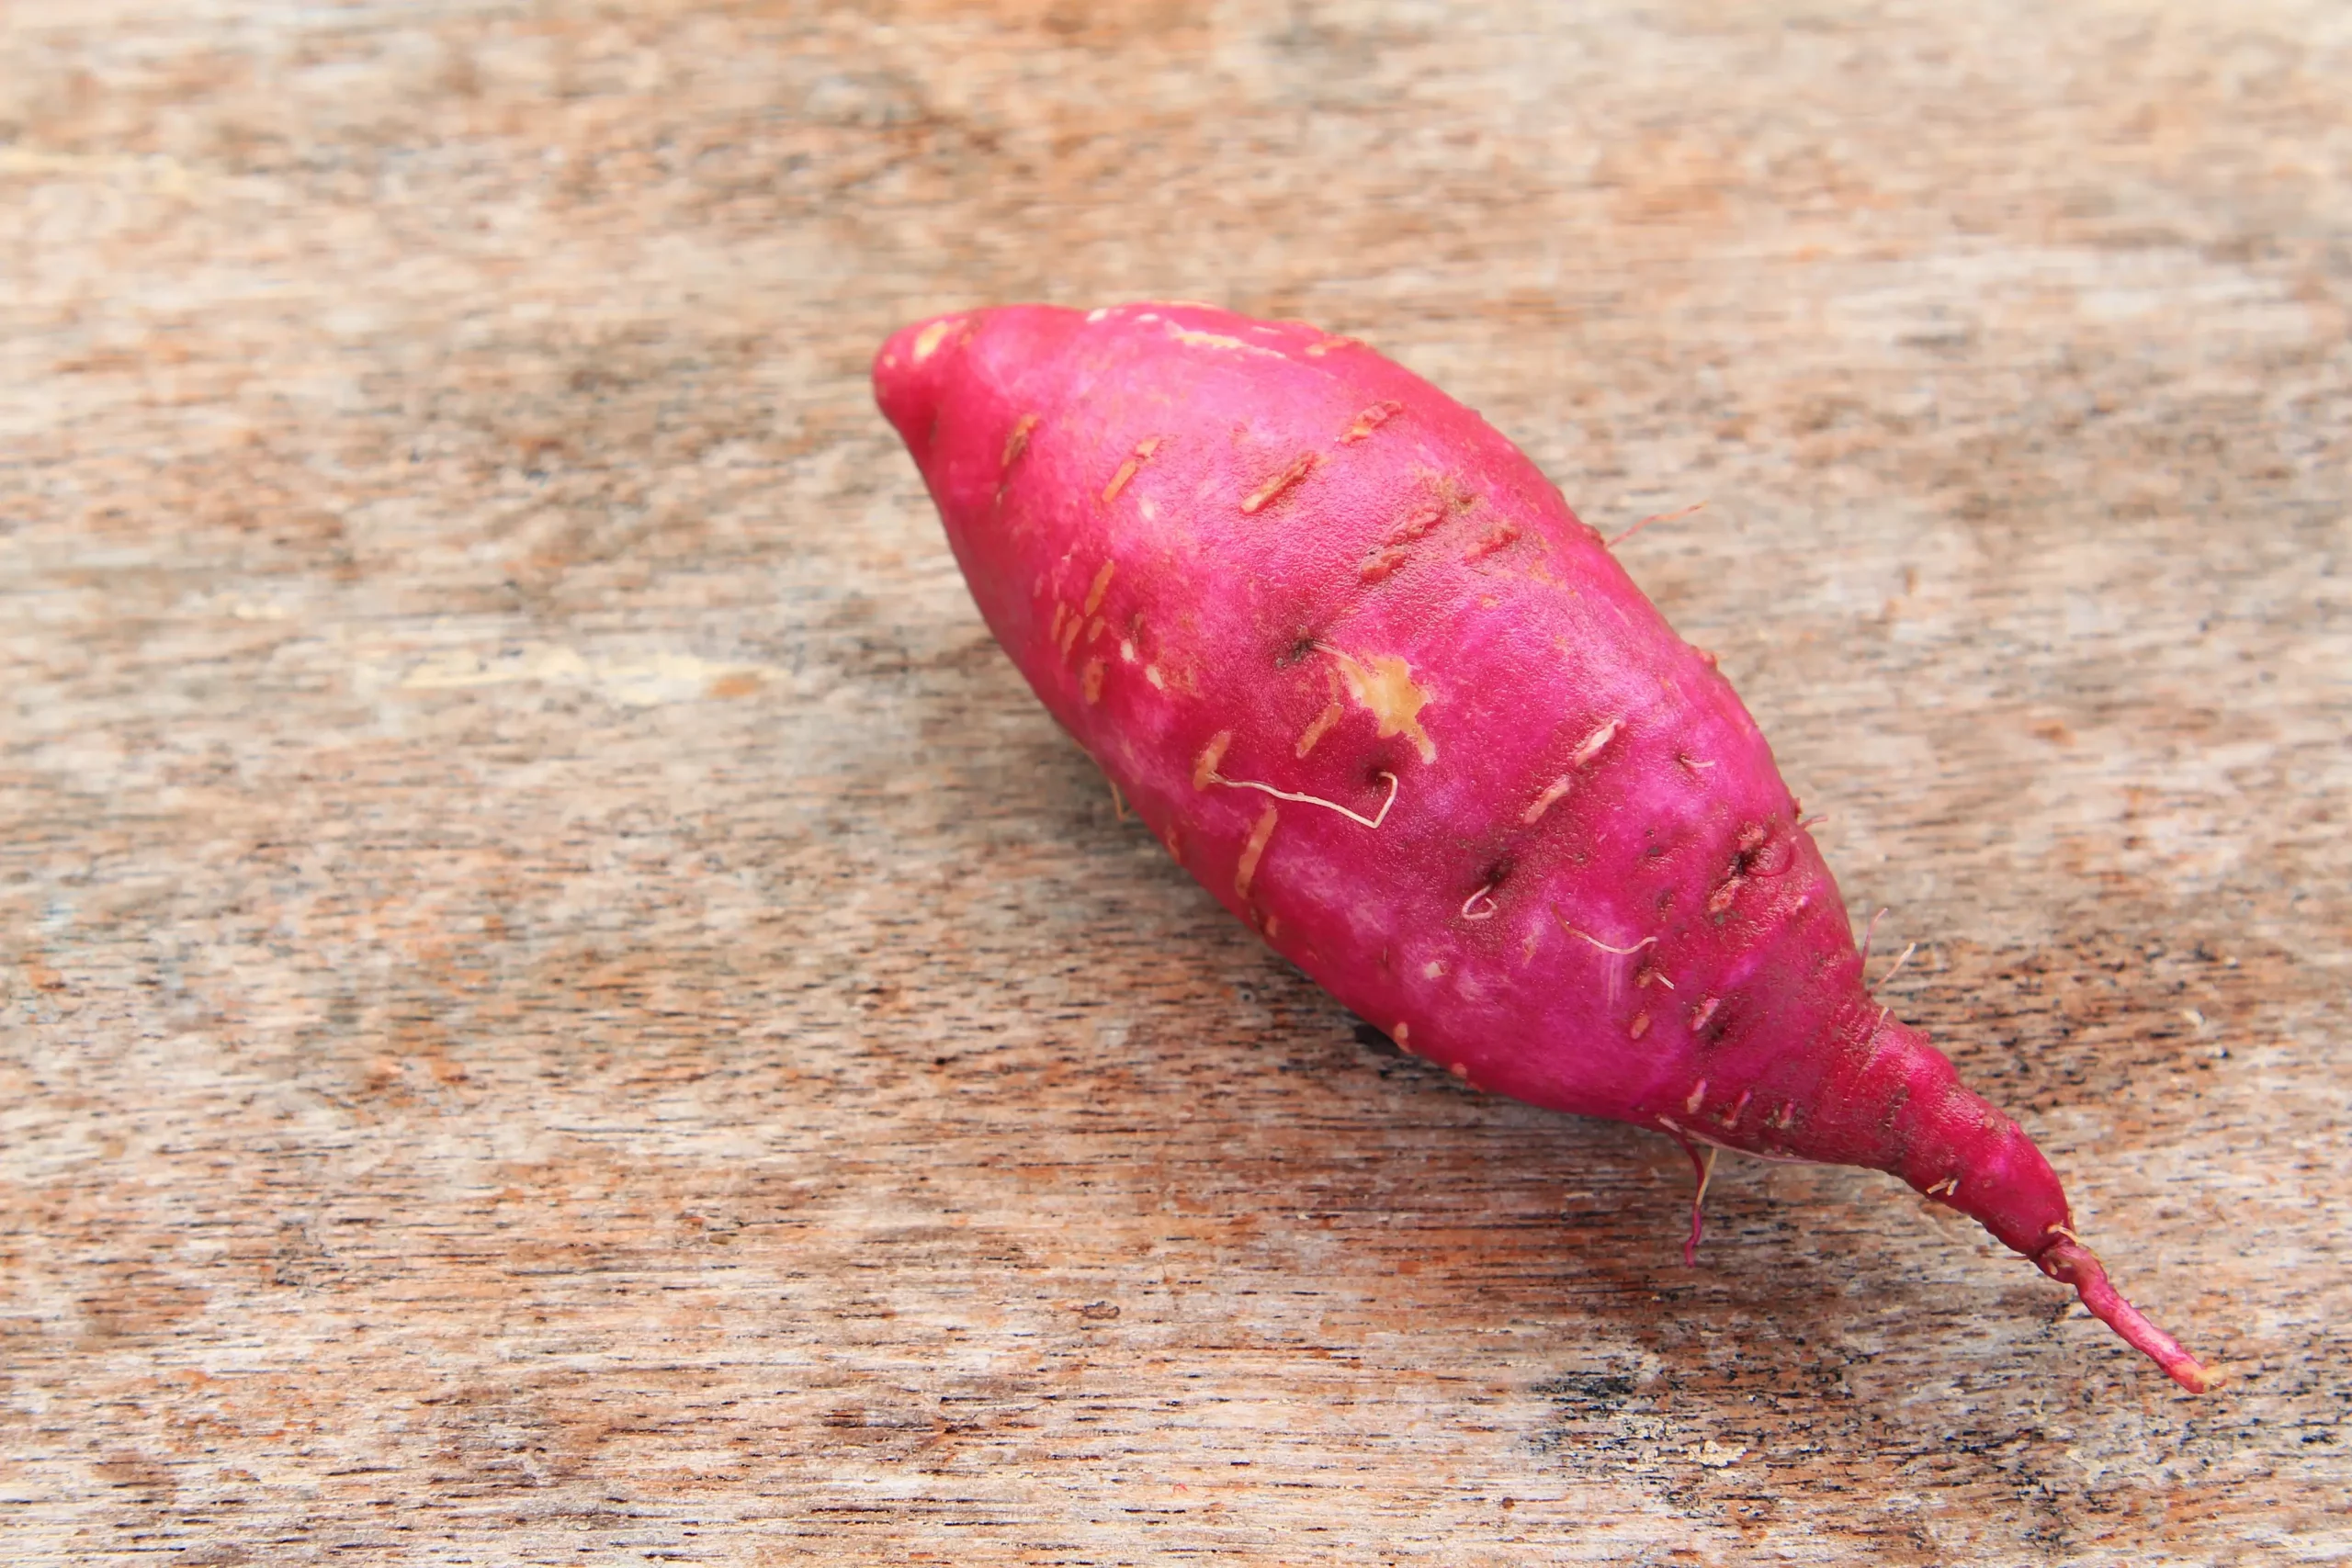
(559, 1003)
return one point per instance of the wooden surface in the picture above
(562, 1004)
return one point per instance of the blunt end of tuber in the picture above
(909, 375)
(2069, 1262)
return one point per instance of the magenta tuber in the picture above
(1367, 677)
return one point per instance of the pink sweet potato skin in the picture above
(1269, 579)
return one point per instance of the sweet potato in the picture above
(1357, 664)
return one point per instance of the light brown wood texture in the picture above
(563, 1005)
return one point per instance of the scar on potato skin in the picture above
(1496, 537)
(1091, 683)
(1102, 582)
(1018, 442)
(1127, 470)
(1205, 765)
(1322, 722)
(1544, 801)
(1592, 744)
(1300, 467)
(1320, 726)
(927, 341)
(1254, 849)
(1192, 339)
(1383, 685)
(1371, 419)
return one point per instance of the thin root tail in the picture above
(2069, 1262)
(1703, 1167)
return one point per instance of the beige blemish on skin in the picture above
(1384, 686)
(1697, 1097)
(927, 341)
(1417, 524)
(1396, 544)
(1018, 442)
(1142, 454)
(1091, 683)
(1702, 1012)
(1192, 338)
(1255, 848)
(1318, 350)
(1403, 1035)
(1549, 798)
(1061, 611)
(1257, 500)
(1204, 766)
(1102, 584)
(1433, 969)
(1371, 419)
(1319, 727)
(1151, 673)
(1500, 534)
(1595, 742)
(1460, 1070)
(1640, 1026)
(1145, 507)
(1321, 724)
(1127, 651)
(1069, 633)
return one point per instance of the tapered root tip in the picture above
(2071, 1263)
